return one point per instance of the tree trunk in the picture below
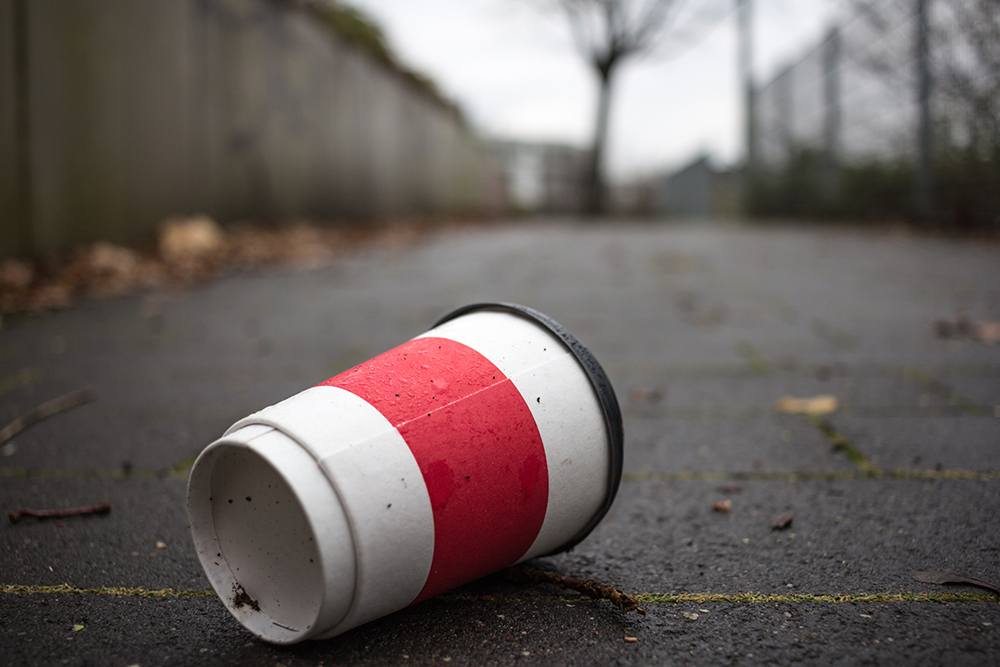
(596, 188)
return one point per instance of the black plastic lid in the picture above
(605, 394)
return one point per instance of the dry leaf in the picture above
(16, 274)
(781, 522)
(987, 332)
(643, 395)
(183, 239)
(722, 505)
(823, 404)
(951, 579)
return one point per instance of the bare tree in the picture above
(608, 32)
(967, 33)
(962, 47)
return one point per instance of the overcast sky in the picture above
(515, 72)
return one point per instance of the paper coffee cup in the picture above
(493, 438)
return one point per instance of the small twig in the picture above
(100, 508)
(588, 587)
(47, 409)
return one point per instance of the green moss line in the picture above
(840, 441)
(642, 598)
(51, 473)
(765, 412)
(177, 471)
(66, 589)
(755, 359)
(725, 371)
(23, 378)
(807, 476)
(834, 335)
(928, 383)
(795, 598)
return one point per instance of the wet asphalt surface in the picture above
(701, 328)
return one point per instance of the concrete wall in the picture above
(117, 113)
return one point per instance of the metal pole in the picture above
(745, 17)
(832, 124)
(925, 175)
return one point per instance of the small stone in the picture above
(631, 639)
(691, 615)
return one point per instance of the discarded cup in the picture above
(493, 438)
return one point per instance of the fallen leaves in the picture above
(823, 404)
(962, 327)
(186, 251)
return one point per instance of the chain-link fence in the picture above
(896, 113)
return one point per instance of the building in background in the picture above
(541, 177)
(697, 190)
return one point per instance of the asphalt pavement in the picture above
(702, 328)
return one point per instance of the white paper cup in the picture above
(493, 438)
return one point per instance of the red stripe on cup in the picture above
(477, 446)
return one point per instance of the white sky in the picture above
(515, 72)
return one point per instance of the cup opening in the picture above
(258, 542)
